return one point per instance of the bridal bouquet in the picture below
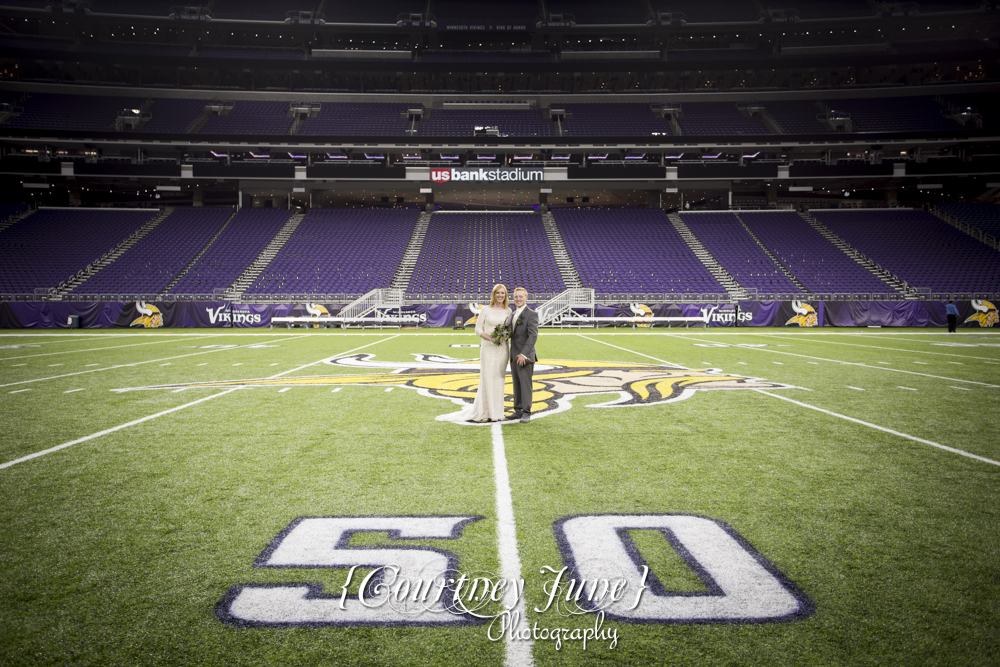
(502, 333)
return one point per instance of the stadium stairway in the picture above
(570, 276)
(16, 218)
(732, 287)
(974, 232)
(771, 256)
(184, 271)
(110, 256)
(888, 278)
(266, 256)
(404, 272)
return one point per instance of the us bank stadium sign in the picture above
(495, 174)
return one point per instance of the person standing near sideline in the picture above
(952, 311)
(522, 354)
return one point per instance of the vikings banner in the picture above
(976, 313)
(46, 315)
(798, 314)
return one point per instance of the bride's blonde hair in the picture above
(506, 296)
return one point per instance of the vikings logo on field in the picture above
(986, 313)
(151, 318)
(641, 311)
(805, 317)
(556, 383)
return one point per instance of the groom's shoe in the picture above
(512, 417)
(526, 417)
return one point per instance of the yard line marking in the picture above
(814, 363)
(388, 390)
(874, 347)
(166, 364)
(19, 391)
(177, 391)
(111, 430)
(962, 388)
(855, 388)
(275, 364)
(140, 363)
(992, 363)
(336, 355)
(922, 363)
(93, 365)
(204, 364)
(956, 362)
(239, 364)
(882, 428)
(73, 390)
(851, 363)
(282, 391)
(95, 349)
(16, 365)
(518, 652)
(742, 363)
(906, 388)
(634, 352)
(779, 363)
(52, 365)
(336, 390)
(882, 362)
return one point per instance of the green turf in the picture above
(117, 550)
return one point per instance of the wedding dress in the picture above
(492, 372)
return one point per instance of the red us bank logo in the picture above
(440, 175)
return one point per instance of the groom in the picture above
(522, 354)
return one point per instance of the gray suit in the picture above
(522, 341)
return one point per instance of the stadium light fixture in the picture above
(219, 154)
(486, 157)
(523, 157)
(711, 157)
(298, 157)
(641, 156)
(336, 157)
(411, 157)
(673, 157)
(374, 157)
(449, 157)
(754, 155)
(598, 157)
(262, 155)
(560, 157)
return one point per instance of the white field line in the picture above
(148, 417)
(282, 391)
(518, 652)
(962, 388)
(662, 361)
(111, 430)
(95, 349)
(878, 347)
(74, 390)
(906, 388)
(140, 363)
(882, 428)
(855, 388)
(854, 363)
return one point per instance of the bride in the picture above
(488, 405)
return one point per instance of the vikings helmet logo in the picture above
(640, 311)
(151, 318)
(986, 313)
(316, 310)
(556, 383)
(475, 309)
(806, 315)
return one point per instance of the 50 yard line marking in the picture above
(851, 419)
(159, 414)
(518, 653)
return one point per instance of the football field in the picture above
(680, 497)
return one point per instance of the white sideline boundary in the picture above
(94, 349)
(877, 347)
(836, 414)
(946, 448)
(165, 412)
(518, 653)
(140, 363)
(855, 363)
